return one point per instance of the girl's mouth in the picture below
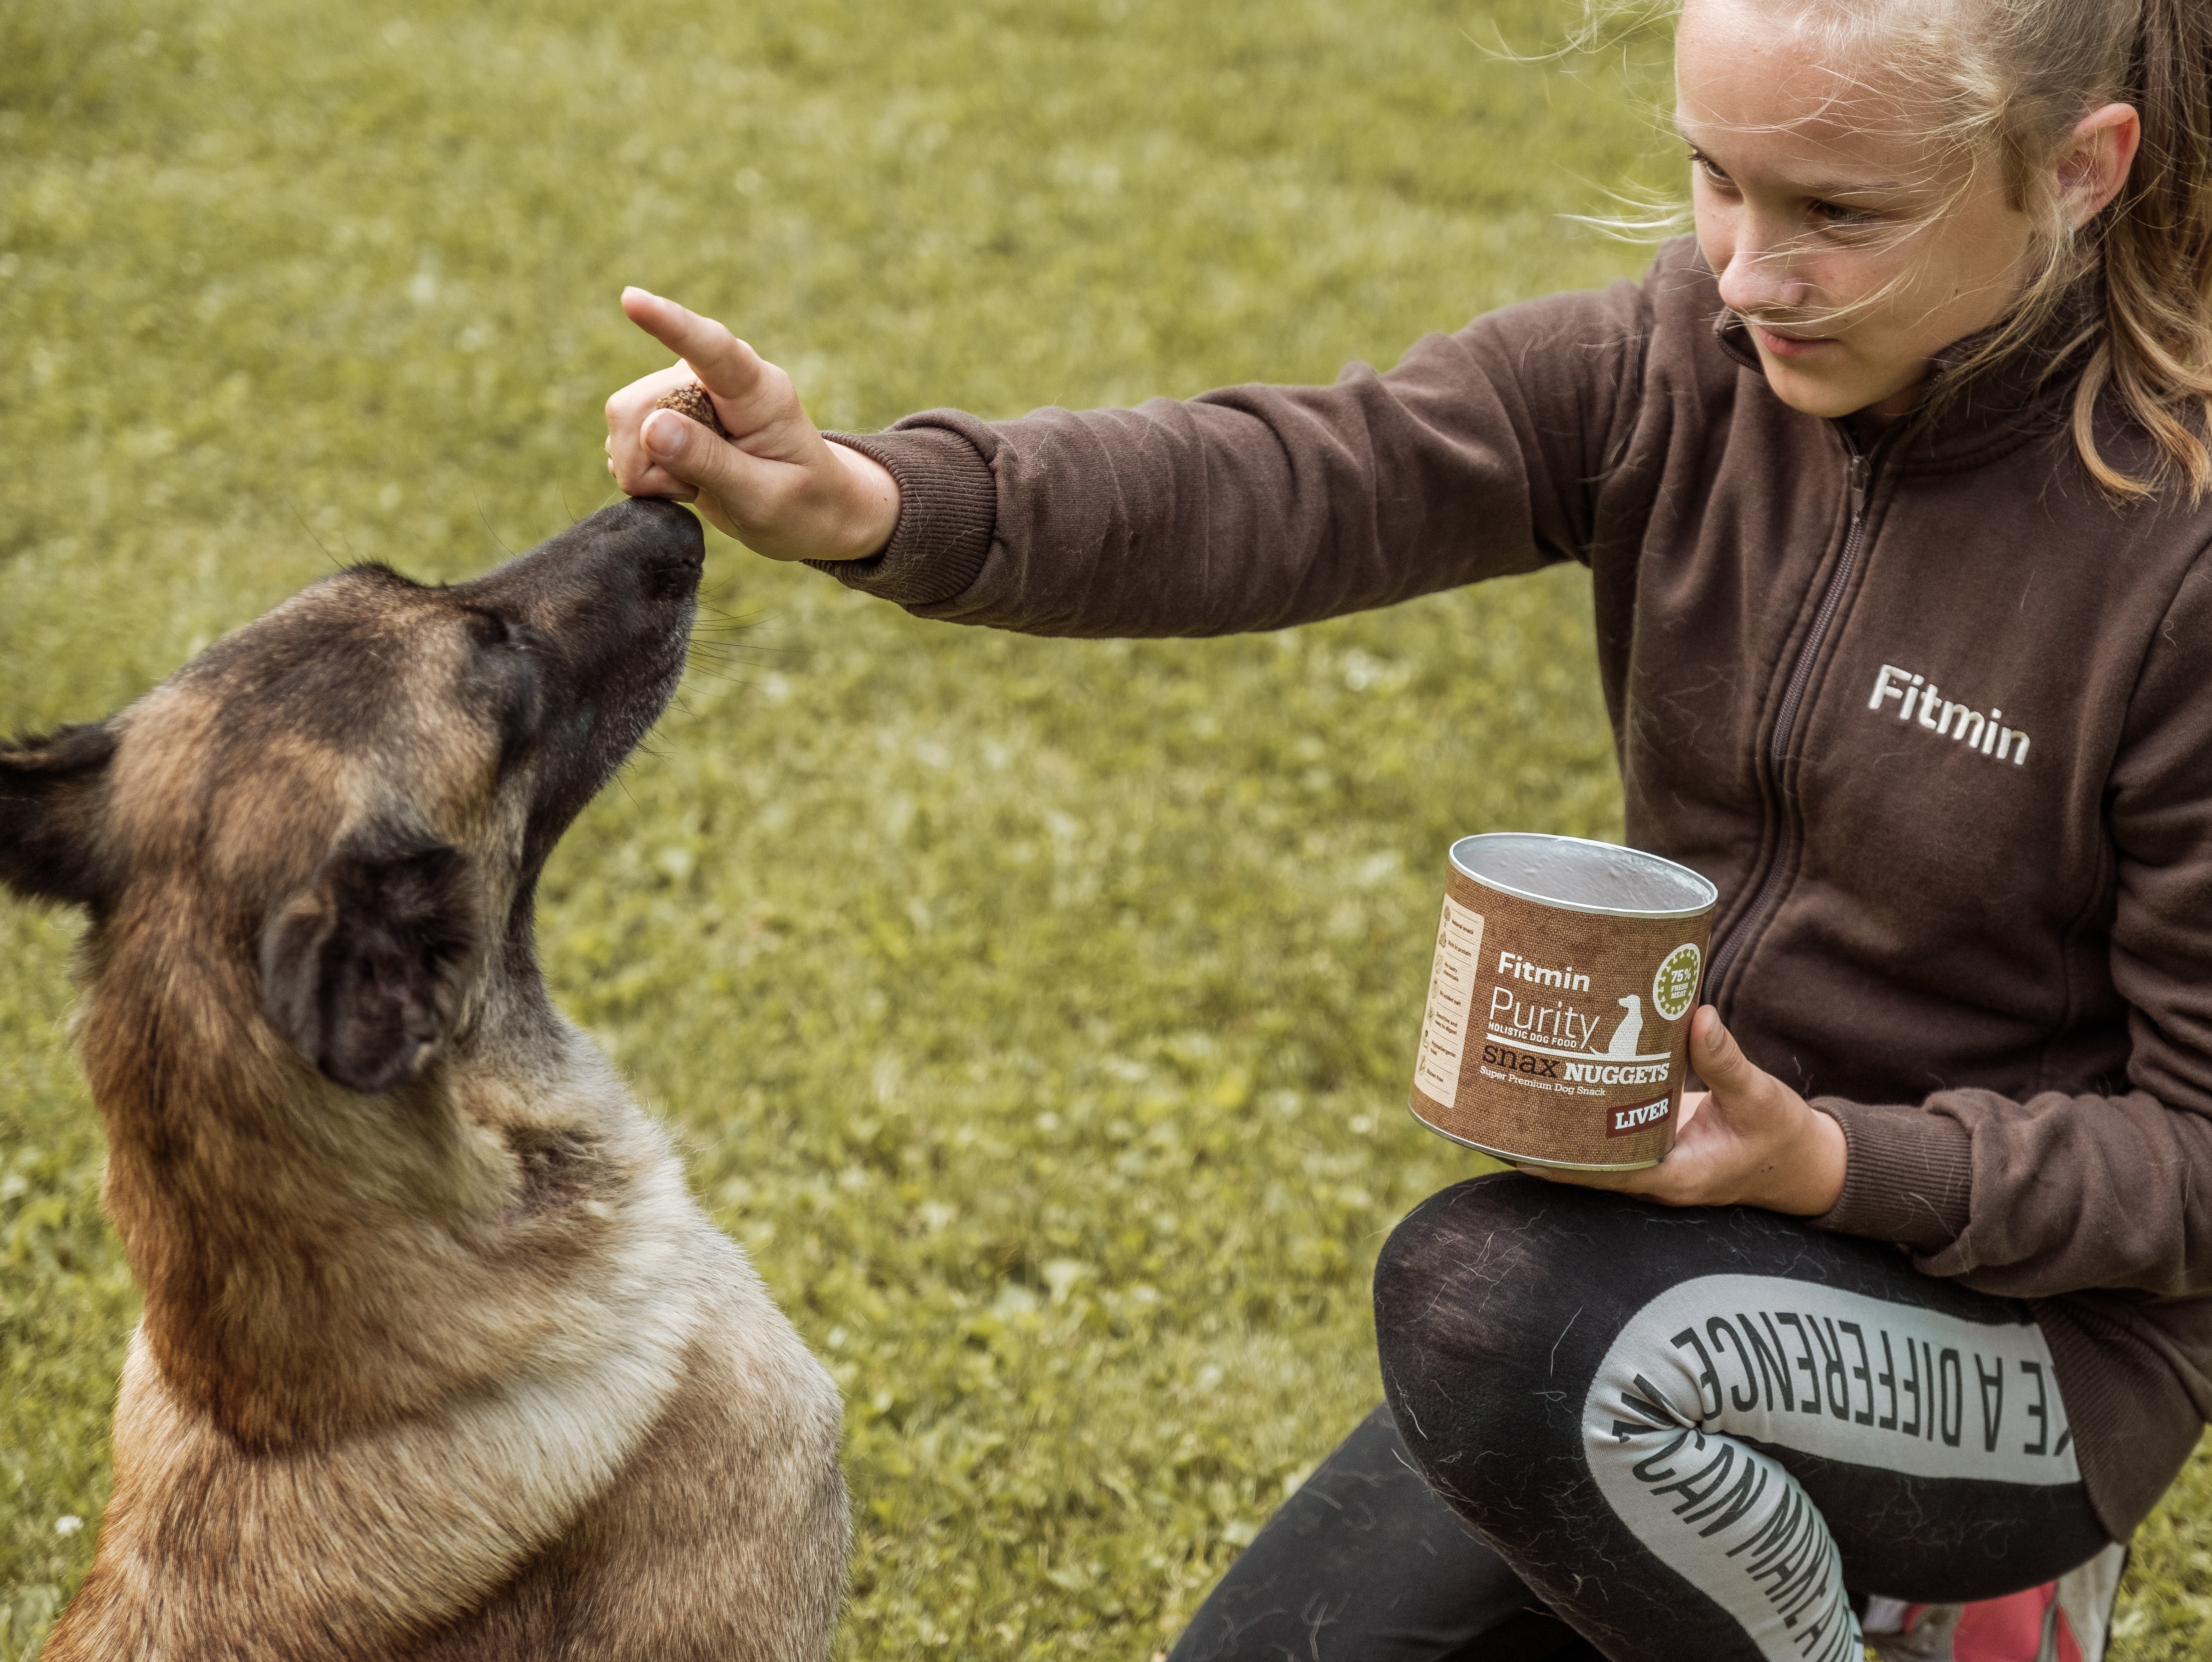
(1789, 346)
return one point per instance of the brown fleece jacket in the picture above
(1935, 715)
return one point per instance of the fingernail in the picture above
(662, 434)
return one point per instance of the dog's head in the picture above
(345, 805)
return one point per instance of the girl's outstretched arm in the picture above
(1481, 453)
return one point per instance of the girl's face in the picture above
(1854, 247)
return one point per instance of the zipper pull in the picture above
(1860, 470)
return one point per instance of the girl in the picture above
(1891, 485)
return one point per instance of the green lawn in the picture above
(1039, 1015)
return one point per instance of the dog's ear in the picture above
(53, 793)
(363, 969)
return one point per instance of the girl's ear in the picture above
(53, 807)
(363, 969)
(2094, 166)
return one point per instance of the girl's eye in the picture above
(1705, 164)
(1835, 213)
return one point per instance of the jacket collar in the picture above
(1968, 415)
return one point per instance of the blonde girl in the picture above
(1891, 485)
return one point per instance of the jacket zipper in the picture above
(1793, 695)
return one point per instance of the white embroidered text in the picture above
(1920, 700)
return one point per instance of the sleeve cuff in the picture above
(948, 512)
(1909, 1177)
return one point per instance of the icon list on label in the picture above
(1451, 993)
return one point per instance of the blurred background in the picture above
(1040, 1014)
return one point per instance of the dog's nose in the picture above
(673, 530)
(671, 546)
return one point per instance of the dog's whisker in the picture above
(335, 564)
(488, 531)
(763, 615)
(745, 652)
(757, 648)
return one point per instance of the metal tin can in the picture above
(1558, 1025)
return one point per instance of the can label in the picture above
(1554, 1035)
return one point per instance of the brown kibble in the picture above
(692, 400)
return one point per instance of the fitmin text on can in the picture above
(1558, 1025)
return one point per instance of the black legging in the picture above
(1674, 1433)
(1364, 1561)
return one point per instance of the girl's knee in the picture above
(1466, 1287)
(1472, 1265)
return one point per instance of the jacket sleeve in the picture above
(2062, 1193)
(1258, 506)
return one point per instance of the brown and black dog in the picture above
(439, 1358)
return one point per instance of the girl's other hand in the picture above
(775, 483)
(1747, 1139)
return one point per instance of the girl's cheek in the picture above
(1866, 288)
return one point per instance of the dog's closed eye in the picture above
(495, 629)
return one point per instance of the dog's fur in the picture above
(439, 1359)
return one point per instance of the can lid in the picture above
(1583, 876)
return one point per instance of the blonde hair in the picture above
(2008, 81)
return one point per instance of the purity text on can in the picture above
(1558, 1025)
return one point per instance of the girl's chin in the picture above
(1804, 387)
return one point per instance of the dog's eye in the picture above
(490, 629)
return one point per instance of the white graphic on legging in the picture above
(1795, 1365)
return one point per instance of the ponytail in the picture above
(2155, 243)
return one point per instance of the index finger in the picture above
(725, 365)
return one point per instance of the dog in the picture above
(439, 1358)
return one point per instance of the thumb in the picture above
(1721, 1061)
(693, 453)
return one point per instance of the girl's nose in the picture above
(1761, 277)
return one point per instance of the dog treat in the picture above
(1559, 1003)
(692, 401)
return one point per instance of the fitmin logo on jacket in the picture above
(1920, 700)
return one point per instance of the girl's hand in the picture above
(775, 483)
(1748, 1140)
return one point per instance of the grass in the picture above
(1038, 1014)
